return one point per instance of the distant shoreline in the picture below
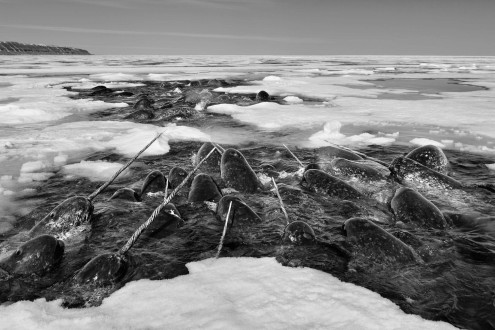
(17, 48)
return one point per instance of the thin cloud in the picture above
(109, 4)
(161, 33)
(116, 4)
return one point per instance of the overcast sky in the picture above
(261, 27)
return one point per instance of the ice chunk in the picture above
(424, 142)
(94, 170)
(114, 77)
(273, 116)
(60, 160)
(30, 177)
(331, 135)
(158, 76)
(272, 78)
(35, 166)
(293, 99)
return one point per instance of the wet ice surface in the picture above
(350, 101)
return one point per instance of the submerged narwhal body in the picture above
(376, 243)
(322, 182)
(409, 206)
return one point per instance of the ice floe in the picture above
(331, 135)
(227, 293)
(424, 142)
(94, 170)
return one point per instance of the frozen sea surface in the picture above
(349, 100)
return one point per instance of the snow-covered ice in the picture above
(424, 142)
(94, 170)
(227, 293)
(331, 135)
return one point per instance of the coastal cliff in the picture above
(17, 48)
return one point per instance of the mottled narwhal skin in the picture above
(176, 176)
(240, 214)
(376, 243)
(212, 164)
(322, 182)
(236, 172)
(105, 269)
(430, 156)
(411, 173)
(66, 217)
(203, 188)
(166, 223)
(154, 182)
(141, 115)
(299, 233)
(37, 256)
(349, 168)
(409, 206)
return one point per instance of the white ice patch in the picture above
(41, 154)
(385, 69)
(227, 293)
(293, 100)
(490, 166)
(363, 72)
(331, 135)
(35, 166)
(25, 111)
(36, 171)
(37, 102)
(274, 116)
(60, 160)
(200, 106)
(272, 78)
(114, 77)
(94, 170)
(158, 76)
(424, 142)
(363, 101)
(30, 177)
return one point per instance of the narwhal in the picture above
(109, 268)
(73, 215)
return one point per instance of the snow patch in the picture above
(274, 116)
(114, 77)
(293, 100)
(158, 76)
(331, 135)
(272, 78)
(227, 293)
(424, 142)
(94, 170)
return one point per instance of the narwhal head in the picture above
(68, 215)
(36, 256)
